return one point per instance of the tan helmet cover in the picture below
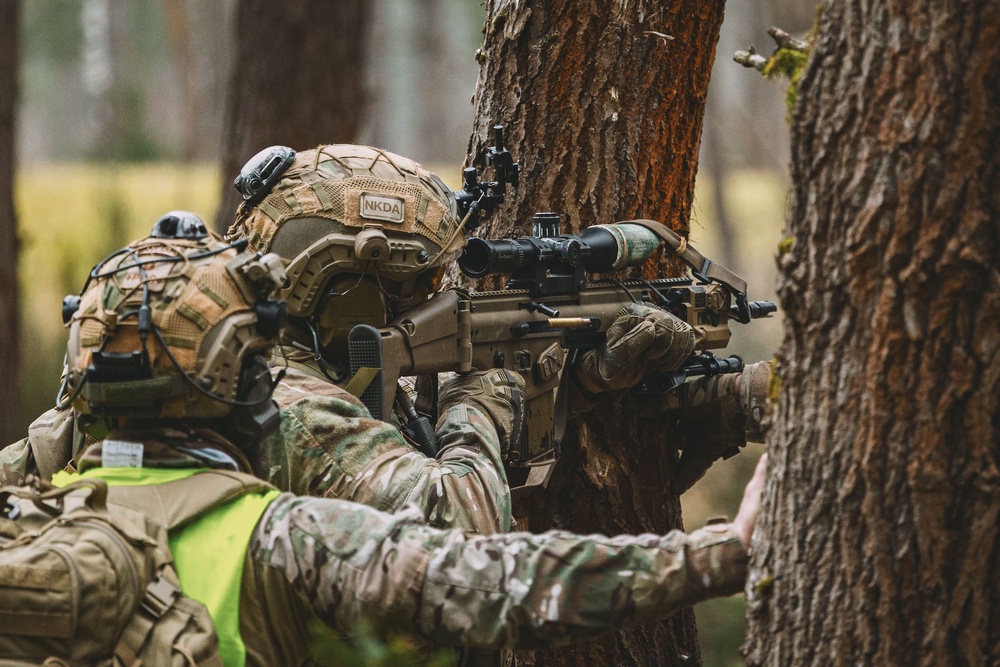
(347, 209)
(203, 312)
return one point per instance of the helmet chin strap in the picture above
(318, 355)
(247, 425)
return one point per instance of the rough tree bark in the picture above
(603, 106)
(880, 527)
(297, 80)
(9, 309)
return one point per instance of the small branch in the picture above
(786, 41)
(750, 58)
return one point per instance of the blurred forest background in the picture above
(121, 117)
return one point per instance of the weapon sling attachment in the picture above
(361, 380)
(701, 266)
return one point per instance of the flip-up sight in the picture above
(483, 196)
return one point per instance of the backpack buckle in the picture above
(160, 596)
(9, 510)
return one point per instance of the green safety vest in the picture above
(208, 553)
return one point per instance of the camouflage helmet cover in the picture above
(347, 209)
(204, 302)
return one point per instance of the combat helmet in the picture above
(176, 325)
(364, 233)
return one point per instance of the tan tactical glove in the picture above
(642, 340)
(499, 393)
(715, 417)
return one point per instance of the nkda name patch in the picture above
(380, 207)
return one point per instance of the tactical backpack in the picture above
(85, 581)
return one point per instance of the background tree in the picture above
(9, 310)
(603, 107)
(178, 28)
(880, 528)
(297, 80)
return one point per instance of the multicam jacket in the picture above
(516, 590)
(345, 562)
(328, 445)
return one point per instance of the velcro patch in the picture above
(380, 207)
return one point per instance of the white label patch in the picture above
(121, 454)
(379, 207)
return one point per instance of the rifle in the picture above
(542, 321)
(547, 315)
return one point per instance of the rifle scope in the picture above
(597, 248)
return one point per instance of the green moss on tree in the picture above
(789, 64)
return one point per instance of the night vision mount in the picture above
(477, 196)
(261, 173)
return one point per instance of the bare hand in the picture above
(746, 517)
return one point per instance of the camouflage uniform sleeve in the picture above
(51, 443)
(517, 590)
(330, 447)
(16, 463)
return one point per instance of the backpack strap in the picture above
(162, 595)
(178, 503)
(173, 505)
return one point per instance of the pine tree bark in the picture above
(879, 535)
(603, 106)
(10, 320)
(297, 80)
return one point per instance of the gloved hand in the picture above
(715, 417)
(498, 392)
(643, 339)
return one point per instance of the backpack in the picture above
(85, 581)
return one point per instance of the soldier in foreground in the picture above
(167, 368)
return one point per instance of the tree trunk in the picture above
(10, 318)
(879, 530)
(179, 33)
(603, 107)
(432, 89)
(297, 80)
(718, 171)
